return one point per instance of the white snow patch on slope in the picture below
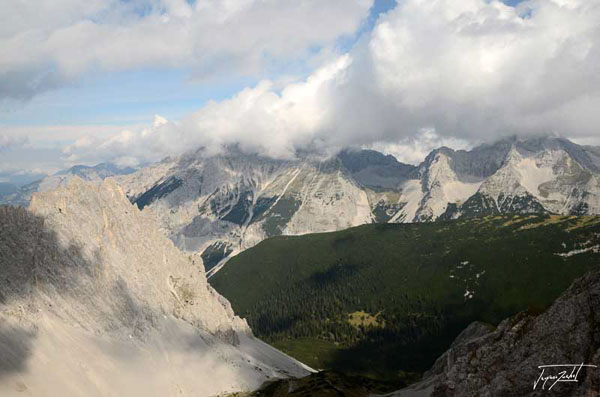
(595, 249)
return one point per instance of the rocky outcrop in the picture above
(506, 360)
(96, 301)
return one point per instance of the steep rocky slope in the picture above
(505, 360)
(95, 301)
(221, 205)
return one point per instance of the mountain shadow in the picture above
(35, 267)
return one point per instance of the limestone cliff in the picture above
(122, 246)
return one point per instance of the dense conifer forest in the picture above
(387, 299)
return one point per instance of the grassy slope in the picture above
(298, 292)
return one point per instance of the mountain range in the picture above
(220, 205)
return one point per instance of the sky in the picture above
(133, 81)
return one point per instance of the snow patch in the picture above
(595, 249)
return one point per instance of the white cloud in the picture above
(431, 72)
(471, 70)
(414, 149)
(47, 43)
(39, 149)
(56, 135)
(474, 69)
(258, 119)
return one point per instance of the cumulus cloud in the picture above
(479, 70)
(40, 149)
(258, 120)
(49, 43)
(430, 71)
(414, 149)
(128, 147)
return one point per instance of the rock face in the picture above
(95, 301)
(122, 246)
(220, 205)
(504, 361)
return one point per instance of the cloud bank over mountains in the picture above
(430, 71)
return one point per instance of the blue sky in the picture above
(121, 98)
